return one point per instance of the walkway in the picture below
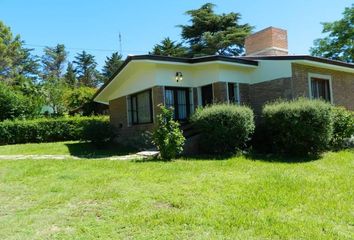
(137, 156)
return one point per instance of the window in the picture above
(233, 93)
(320, 89)
(178, 98)
(140, 108)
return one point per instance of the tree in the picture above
(86, 69)
(53, 61)
(78, 97)
(70, 75)
(211, 33)
(339, 43)
(112, 64)
(167, 47)
(15, 60)
(55, 91)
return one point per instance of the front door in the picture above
(178, 98)
(207, 95)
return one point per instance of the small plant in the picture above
(343, 127)
(168, 137)
(224, 128)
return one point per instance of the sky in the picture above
(94, 25)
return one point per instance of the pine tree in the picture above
(70, 75)
(211, 33)
(112, 64)
(86, 69)
(53, 61)
(167, 47)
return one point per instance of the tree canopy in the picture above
(86, 69)
(112, 64)
(53, 61)
(339, 42)
(167, 47)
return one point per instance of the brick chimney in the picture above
(267, 42)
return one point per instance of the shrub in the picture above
(168, 137)
(96, 129)
(298, 127)
(224, 128)
(343, 127)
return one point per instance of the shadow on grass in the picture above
(90, 150)
(281, 158)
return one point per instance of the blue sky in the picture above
(95, 24)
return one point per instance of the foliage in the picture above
(13, 104)
(15, 60)
(167, 47)
(343, 127)
(211, 33)
(94, 129)
(168, 137)
(54, 90)
(112, 64)
(224, 128)
(53, 61)
(78, 97)
(86, 69)
(339, 43)
(299, 127)
(70, 75)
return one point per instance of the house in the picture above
(266, 73)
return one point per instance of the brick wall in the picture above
(244, 93)
(342, 84)
(261, 93)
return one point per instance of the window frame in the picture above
(236, 100)
(175, 101)
(131, 112)
(320, 76)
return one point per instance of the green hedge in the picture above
(224, 128)
(343, 127)
(299, 127)
(95, 129)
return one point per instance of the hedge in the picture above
(298, 127)
(343, 127)
(95, 129)
(224, 128)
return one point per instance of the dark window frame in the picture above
(175, 101)
(327, 87)
(133, 110)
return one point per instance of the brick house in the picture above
(266, 73)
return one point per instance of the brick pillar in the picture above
(157, 98)
(220, 92)
(244, 93)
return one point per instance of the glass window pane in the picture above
(144, 110)
(182, 104)
(236, 97)
(169, 98)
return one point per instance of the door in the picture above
(178, 98)
(207, 95)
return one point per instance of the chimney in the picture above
(267, 42)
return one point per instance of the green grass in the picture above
(74, 148)
(237, 198)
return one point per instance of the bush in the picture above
(95, 129)
(168, 137)
(343, 127)
(224, 128)
(298, 127)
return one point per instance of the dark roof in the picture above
(302, 57)
(177, 59)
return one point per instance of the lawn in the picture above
(235, 198)
(73, 148)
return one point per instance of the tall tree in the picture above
(86, 69)
(211, 33)
(70, 75)
(53, 60)
(15, 60)
(339, 43)
(167, 47)
(112, 64)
